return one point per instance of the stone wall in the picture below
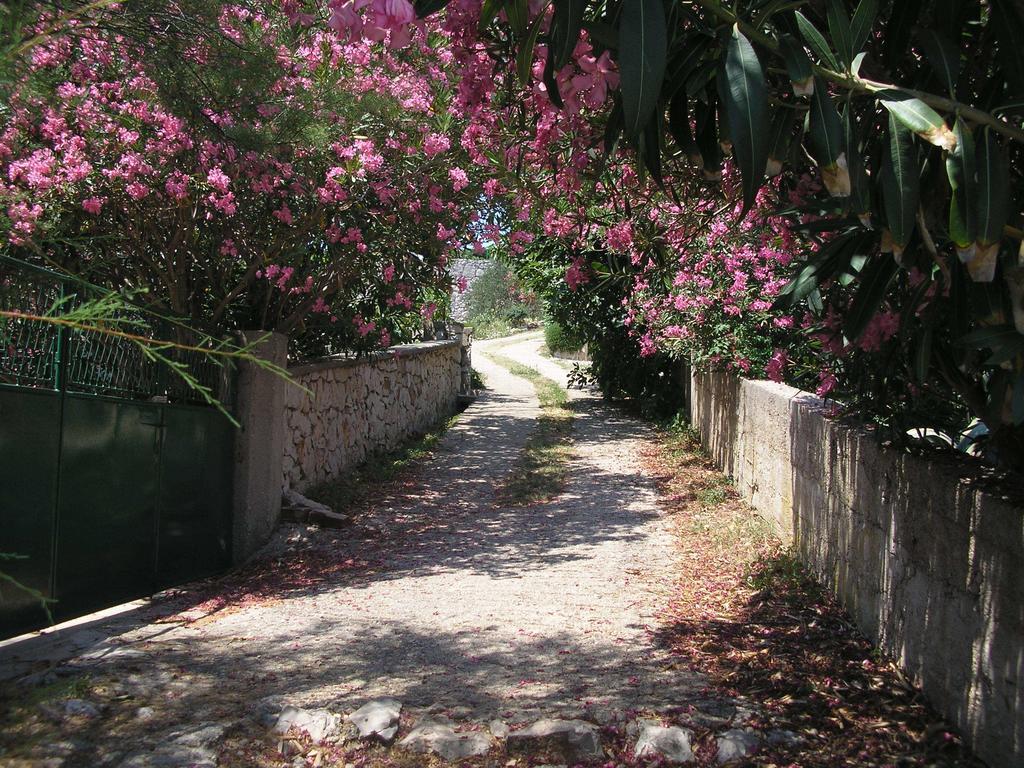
(358, 406)
(930, 565)
(471, 269)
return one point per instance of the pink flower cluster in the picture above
(375, 20)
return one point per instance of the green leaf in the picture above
(684, 62)
(679, 123)
(565, 28)
(857, 62)
(603, 34)
(551, 82)
(746, 109)
(696, 83)
(900, 182)
(825, 128)
(839, 29)
(518, 13)
(613, 129)
(960, 168)
(643, 49)
(918, 117)
(863, 21)
(860, 195)
(943, 57)
(903, 18)
(1006, 352)
(923, 353)
(707, 138)
(837, 257)
(916, 308)
(875, 279)
(993, 188)
(994, 337)
(650, 149)
(524, 56)
(1009, 28)
(815, 41)
(425, 8)
(801, 75)
(489, 12)
(779, 139)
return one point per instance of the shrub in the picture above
(490, 327)
(497, 296)
(559, 340)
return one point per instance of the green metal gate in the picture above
(115, 475)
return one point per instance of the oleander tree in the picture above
(235, 171)
(824, 191)
(888, 136)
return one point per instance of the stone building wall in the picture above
(471, 269)
(928, 562)
(358, 406)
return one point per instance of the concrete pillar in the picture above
(259, 446)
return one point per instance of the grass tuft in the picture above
(543, 466)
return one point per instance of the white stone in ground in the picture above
(377, 719)
(193, 747)
(80, 708)
(575, 739)
(499, 729)
(440, 739)
(735, 744)
(786, 738)
(671, 744)
(319, 724)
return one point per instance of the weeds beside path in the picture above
(746, 614)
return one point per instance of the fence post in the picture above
(259, 446)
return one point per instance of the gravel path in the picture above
(466, 606)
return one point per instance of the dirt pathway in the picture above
(464, 606)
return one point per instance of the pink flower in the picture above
(460, 180)
(177, 186)
(575, 276)
(394, 16)
(219, 180)
(435, 144)
(598, 75)
(93, 205)
(363, 326)
(826, 383)
(136, 190)
(24, 217)
(492, 187)
(283, 214)
(647, 345)
(882, 327)
(345, 21)
(619, 237)
(777, 365)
